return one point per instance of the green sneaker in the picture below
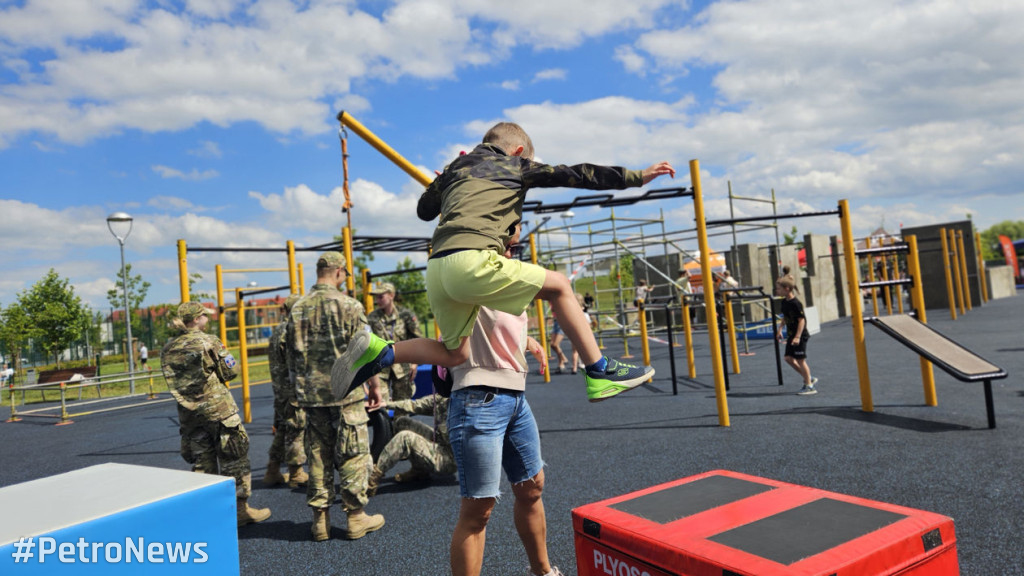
(616, 378)
(364, 357)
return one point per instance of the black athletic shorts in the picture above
(798, 350)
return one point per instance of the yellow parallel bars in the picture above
(712, 315)
(856, 306)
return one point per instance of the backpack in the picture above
(443, 381)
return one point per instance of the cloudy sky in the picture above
(213, 121)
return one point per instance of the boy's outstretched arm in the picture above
(429, 206)
(659, 169)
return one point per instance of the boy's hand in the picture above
(659, 169)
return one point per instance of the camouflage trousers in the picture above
(332, 444)
(289, 426)
(401, 388)
(414, 441)
(213, 447)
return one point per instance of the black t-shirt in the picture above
(792, 312)
(588, 303)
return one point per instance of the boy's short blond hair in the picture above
(508, 136)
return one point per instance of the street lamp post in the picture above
(119, 217)
(567, 217)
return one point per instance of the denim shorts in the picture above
(491, 430)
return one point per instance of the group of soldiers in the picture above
(312, 426)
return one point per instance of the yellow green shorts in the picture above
(459, 284)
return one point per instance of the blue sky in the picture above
(214, 120)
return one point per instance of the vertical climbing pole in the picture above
(856, 307)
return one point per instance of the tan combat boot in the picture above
(297, 476)
(375, 478)
(273, 476)
(321, 524)
(249, 515)
(360, 523)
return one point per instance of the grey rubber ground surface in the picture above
(942, 459)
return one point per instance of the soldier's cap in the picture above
(331, 260)
(290, 301)
(382, 288)
(189, 311)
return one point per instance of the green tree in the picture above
(791, 236)
(197, 296)
(58, 316)
(411, 282)
(137, 290)
(624, 267)
(15, 331)
(990, 237)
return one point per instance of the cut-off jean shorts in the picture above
(490, 430)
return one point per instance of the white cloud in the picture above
(172, 202)
(193, 175)
(550, 74)
(207, 149)
(510, 85)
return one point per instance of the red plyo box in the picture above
(724, 523)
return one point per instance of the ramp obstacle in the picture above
(948, 355)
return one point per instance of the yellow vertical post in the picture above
(963, 269)
(183, 270)
(917, 295)
(885, 278)
(302, 280)
(350, 282)
(221, 316)
(896, 276)
(688, 336)
(871, 276)
(709, 292)
(541, 325)
(731, 331)
(949, 275)
(981, 268)
(243, 356)
(292, 287)
(856, 307)
(957, 280)
(367, 297)
(645, 346)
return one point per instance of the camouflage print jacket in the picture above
(431, 404)
(197, 368)
(318, 332)
(480, 195)
(400, 325)
(277, 358)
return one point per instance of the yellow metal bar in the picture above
(963, 269)
(731, 332)
(645, 346)
(856, 307)
(949, 275)
(709, 291)
(222, 323)
(350, 282)
(367, 297)
(183, 270)
(896, 275)
(246, 270)
(269, 325)
(302, 280)
(243, 357)
(981, 268)
(292, 286)
(688, 337)
(387, 151)
(957, 279)
(917, 295)
(871, 276)
(886, 293)
(541, 324)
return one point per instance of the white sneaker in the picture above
(554, 572)
(814, 382)
(807, 391)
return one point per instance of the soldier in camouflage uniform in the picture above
(319, 329)
(197, 368)
(394, 323)
(426, 448)
(289, 420)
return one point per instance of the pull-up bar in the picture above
(728, 221)
(606, 200)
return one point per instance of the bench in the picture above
(951, 357)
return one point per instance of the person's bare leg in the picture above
(427, 351)
(531, 522)
(470, 534)
(804, 370)
(556, 346)
(571, 318)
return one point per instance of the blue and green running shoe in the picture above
(366, 355)
(616, 378)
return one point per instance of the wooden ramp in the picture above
(951, 357)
